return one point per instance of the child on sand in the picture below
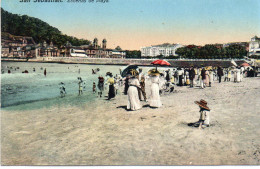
(204, 113)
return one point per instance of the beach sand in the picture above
(104, 133)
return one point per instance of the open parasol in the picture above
(161, 63)
(127, 69)
(245, 64)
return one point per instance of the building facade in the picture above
(254, 46)
(164, 49)
(17, 46)
(98, 51)
(25, 47)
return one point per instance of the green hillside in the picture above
(40, 31)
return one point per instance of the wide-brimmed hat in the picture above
(133, 72)
(203, 104)
(153, 72)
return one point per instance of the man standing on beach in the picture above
(203, 78)
(220, 74)
(191, 76)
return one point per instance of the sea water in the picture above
(19, 88)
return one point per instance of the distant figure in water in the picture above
(9, 71)
(80, 85)
(34, 69)
(62, 90)
(95, 71)
(45, 72)
(94, 87)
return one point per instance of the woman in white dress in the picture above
(133, 97)
(238, 75)
(154, 100)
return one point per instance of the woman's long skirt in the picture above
(155, 96)
(111, 92)
(133, 99)
(180, 80)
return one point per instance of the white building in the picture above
(164, 49)
(254, 46)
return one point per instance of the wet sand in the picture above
(104, 133)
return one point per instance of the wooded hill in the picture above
(23, 25)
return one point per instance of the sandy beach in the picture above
(104, 133)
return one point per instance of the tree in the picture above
(133, 54)
(37, 29)
(118, 48)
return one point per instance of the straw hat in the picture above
(153, 72)
(133, 72)
(203, 104)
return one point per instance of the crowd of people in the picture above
(147, 85)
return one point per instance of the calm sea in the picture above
(19, 88)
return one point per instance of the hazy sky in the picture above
(132, 24)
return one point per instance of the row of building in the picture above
(25, 47)
(164, 49)
(253, 48)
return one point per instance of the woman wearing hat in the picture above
(134, 86)
(238, 74)
(206, 82)
(111, 91)
(154, 100)
(204, 113)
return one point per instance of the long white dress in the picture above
(238, 75)
(154, 93)
(133, 98)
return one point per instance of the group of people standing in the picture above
(136, 89)
(205, 76)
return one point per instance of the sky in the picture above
(132, 24)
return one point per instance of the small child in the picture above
(204, 114)
(94, 87)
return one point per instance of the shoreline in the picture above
(124, 62)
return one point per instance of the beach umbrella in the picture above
(127, 69)
(245, 64)
(161, 63)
